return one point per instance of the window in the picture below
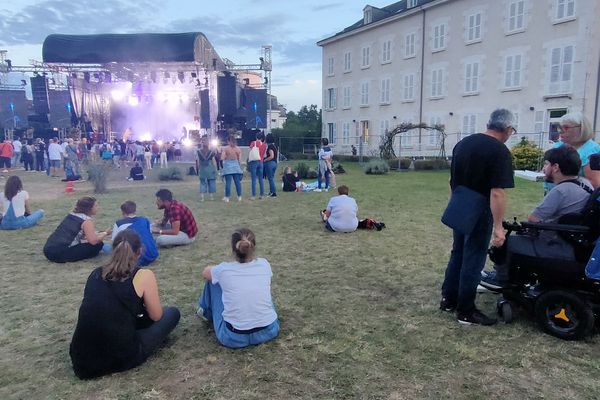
(565, 9)
(384, 127)
(561, 69)
(471, 77)
(409, 45)
(364, 94)
(386, 52)
(469, 124)
(538, 121)
(331, 132)
(346, 133)
(330, 66)
(366, 57)
(347, 96)
(437, 78)
(439, 37)
(512, 71)
(516, 15)
(364, 131)
(406, 137)
(331, 98)
(385, 91)
(408, 91)
(474, 28)
(368, 17)
(347, 62)
(411, 3)
(434, 136)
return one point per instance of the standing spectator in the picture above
(17, 146)
(177, 152)
(256, 164)
(40, 152)
(55, 154)
(116, 146)
(121, 321)
(163, 156)
(232, 169)
(237, 296)
(84, 152)
(72, 169)
(481, 168)
(76, 237)
(170, 151)
(155, 153)
(323, 169)
(148, 155)
(206, 165)
(141, 225)
(178, 225)
(27, 151)
(17, 212)
(139, 153)
(270, 163)
(6, 153)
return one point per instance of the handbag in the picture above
(464, 209)
(254, 154)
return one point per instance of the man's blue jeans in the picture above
(270, 167)
(211, 302)
(237, 179)
(256, 172)
(320, 179)
(467, 260)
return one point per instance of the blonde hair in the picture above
(124, 257)
(577, 118)
(243, 243)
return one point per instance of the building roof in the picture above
(379, 14)
(128, 48)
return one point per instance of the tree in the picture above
(305, 123)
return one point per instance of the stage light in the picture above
(187, 142)
(117, 95)
(172, 97)
(133, 101)
(146, 137)
(184, 98)
(159, 142)
(214, 142)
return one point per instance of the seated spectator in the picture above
(121, 321)
(237, 296)
(568, 195)
(341, 214)
(76, 237)
(290, 179)
(178, 225)
(141, 225)
(17, 212)
(136, 173)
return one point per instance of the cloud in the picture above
(33, 23)
(329, 6)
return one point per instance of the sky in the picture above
(237, 29)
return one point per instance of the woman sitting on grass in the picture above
(237, 296)
(17, 213)
(121, 322)
(76, 238)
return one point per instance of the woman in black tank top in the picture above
(121, 321)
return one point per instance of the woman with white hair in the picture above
(575, 131)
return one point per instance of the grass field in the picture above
(358, 311)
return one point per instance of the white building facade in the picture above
(452, 62)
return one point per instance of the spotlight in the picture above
(146, 137)
(117, 95)
(180, 76)
(184, 98)
(187, 142)
(133, 101)
(159, 142)
(214, 142)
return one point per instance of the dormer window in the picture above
(411, 3)
(368, 18)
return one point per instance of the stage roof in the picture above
(191, 47)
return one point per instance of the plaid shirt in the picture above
(180, 212)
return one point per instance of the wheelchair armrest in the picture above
(555, 227)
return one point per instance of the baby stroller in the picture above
(562, 295)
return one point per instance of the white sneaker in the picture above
(226, 199)
(200, 314)
(240, 198)
(318, 190)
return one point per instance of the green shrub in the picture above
(399, 163)
(302, 169)
(98, 174)
(376, 167)
(170, 174)
(431, 164)
(312, 174)
(526, 155)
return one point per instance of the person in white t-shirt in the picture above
(17, 146)
(341, 214)
(15, 203)
(55, 153)
(237, 296)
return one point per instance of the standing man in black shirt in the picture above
(483, 164)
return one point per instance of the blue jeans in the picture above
(270, 167)
(153, 336)
(208, 185)
(320, 179)
(10, 222)
(211, 302)
(237, 179)
(256, 172)
(467, 260)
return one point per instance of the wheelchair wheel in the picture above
(564, 315)
(505, 311)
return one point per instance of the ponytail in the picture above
(243, 243)
(124, 257)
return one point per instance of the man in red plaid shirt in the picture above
(178, 225)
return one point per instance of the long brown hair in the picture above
(243, 243)
(84, 205)
(124, 257)
(12, 187)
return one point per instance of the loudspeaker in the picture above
(227, 97)
(39, 92)
(204, 109)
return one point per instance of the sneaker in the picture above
(239, 198)
(200, 314)
(273, 195)
(317, 190)
(490, 281)
(483, 289)
(226, 199)
(446, 305)
(322, 214)
(476, 317)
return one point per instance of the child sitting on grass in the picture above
(290, 180)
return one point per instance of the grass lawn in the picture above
(359, 312)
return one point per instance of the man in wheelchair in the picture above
(562, 204)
